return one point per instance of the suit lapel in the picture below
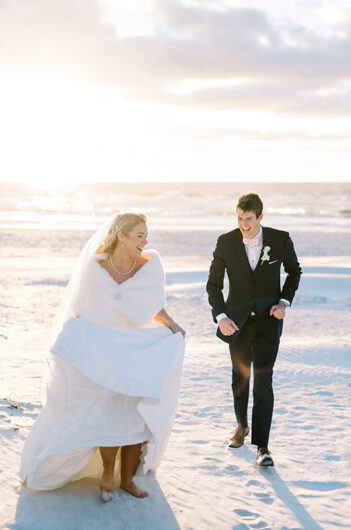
(241, 252)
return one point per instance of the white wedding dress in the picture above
(113, 378)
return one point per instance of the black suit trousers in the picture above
(252, 347)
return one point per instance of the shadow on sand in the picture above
(282, 492)
(285, 495)
(78, 505)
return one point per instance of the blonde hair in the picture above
(123, 223)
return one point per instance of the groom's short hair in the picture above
(250, 202)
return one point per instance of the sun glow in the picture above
(60, 128)
(56, 129)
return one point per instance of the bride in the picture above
(113, 371)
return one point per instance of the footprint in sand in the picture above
(250, 518)
(256, 490)
(233, 471)
(245, 513)
(264, 497)
(253, 483)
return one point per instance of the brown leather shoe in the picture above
(237, 440)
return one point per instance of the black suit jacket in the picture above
(251, 290)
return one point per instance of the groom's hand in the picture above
(227, 326)
(278, 311)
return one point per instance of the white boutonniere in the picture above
(265, 254)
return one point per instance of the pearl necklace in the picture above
(119, 272)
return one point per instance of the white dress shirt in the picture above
(253, 253)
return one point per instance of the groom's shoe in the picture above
(237, 440)
(264, 457)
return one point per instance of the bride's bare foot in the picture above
(133, 489)
(107, 481)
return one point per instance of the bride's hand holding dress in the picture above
(164, 319)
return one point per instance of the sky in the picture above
(171, 90)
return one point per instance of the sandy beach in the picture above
(200, 484)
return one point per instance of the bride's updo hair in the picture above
(123, 223)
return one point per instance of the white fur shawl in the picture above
(134, 302)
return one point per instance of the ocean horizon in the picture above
(57, 221)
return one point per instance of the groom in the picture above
(251, 318)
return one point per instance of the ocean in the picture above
(184, 219)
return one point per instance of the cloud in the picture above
(287, 68)
(68, 37)
(279, 98)
(308, 138)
